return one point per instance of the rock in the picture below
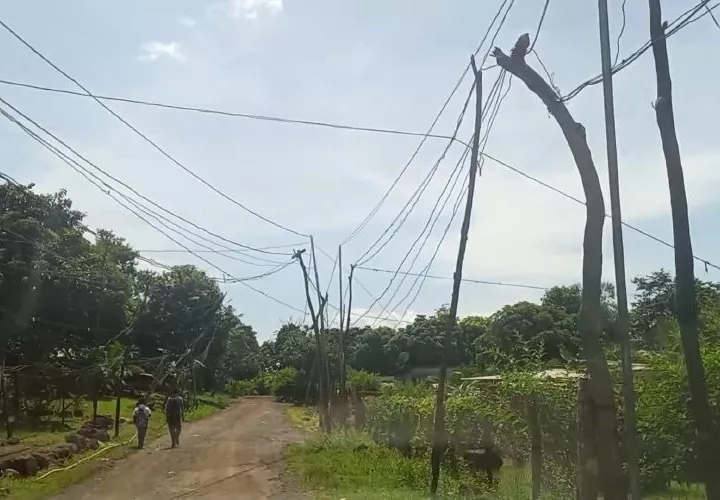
(101, 422)
(63, 451)
(78, 440)
(13, 440)
(31, 466)
(92, 444)
(21, 465)
(41, 459)
(94, 433)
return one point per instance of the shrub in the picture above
(402, 417)
(237, 388)
(363, 381)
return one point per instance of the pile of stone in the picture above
(27, 463)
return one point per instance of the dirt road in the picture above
(236, 453)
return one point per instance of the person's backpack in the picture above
(173, 409)
(141, 416)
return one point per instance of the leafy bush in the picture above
(363, 381)
(402, 417)
(237, 388)
(287, 385)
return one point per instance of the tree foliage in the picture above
(77, 314)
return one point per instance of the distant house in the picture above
(419, 373)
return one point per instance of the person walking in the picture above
(174, 412)
(141, 419)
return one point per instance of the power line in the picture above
(133, 190)
(145, 137)
(467, 280)
(417, 255)
(8, 179)
(539, 26)
(221, 250)
(712, 15)
(69, 161)
(425, 270)
(428, 134)
(412, 202)
(231, 114)
(432, 220)
(487, 120)
(622, 31)
(567, 195)
(687, 19)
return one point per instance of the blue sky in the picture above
(371, 63)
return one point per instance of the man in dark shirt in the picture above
(174, 412)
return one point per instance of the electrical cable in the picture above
(70, 162)
(464, 280)
(687, 19)
(134, 191)
(429, 227)
(432, 219)
(145, 137)
(425, 136)
(412, 202)
(622, 31)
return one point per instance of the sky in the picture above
(369, 63)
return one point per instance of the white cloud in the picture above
(187, 21)
(251, 9)
(152, 51)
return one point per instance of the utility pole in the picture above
(439, 433)
(322, 304)
(686, 307)
(350, 297)
(319, 351)
(343, 366)
(623, 321)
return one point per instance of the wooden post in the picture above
(685, 294)
(439, 432)
(536, 454)
(587, 467)
(322, 388)
(589, 319)
(623, 321)
(324, 364)
(343, 363)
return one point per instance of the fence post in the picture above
(536, 454)
(587, 454)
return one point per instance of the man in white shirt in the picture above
(141, 419)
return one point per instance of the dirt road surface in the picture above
(236, 453)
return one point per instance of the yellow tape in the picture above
(108, 447)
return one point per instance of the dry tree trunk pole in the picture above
(623, 320)
(586, 446)
(685, 295)
(322, 387)
(439, 431)
(322, 304)
(613, 481)
(341, 348)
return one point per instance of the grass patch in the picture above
(303, 418)
(351, 466)
(36, 489)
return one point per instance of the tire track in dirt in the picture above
(236, 453)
